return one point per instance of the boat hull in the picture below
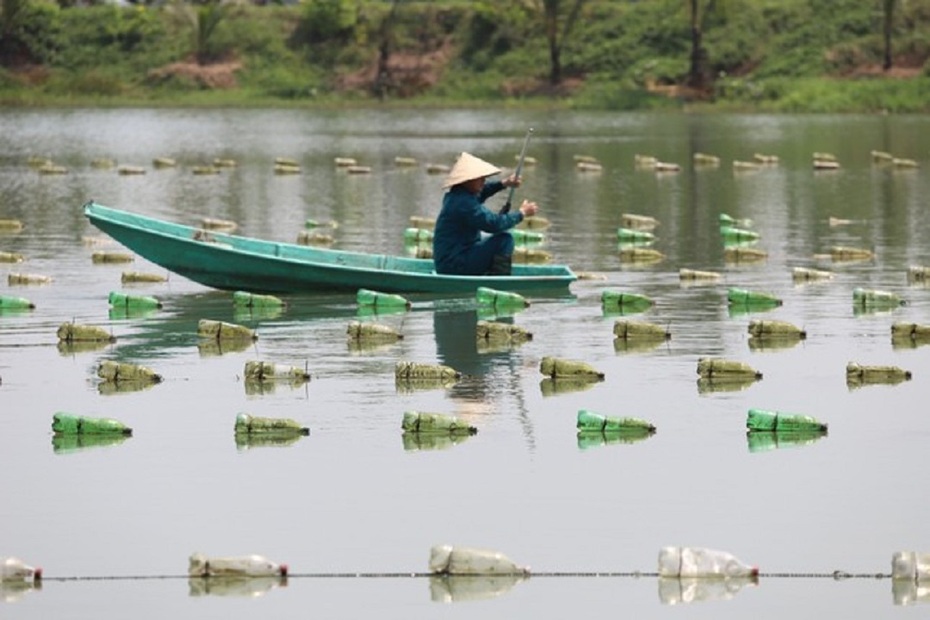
(231, 262)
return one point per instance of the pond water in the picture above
(113, 525)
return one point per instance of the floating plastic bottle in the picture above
(625, 302)
(745, 297)
(133, 302)
(415, 370)
(416, 235)
(910, 574)
(640, 255)
(805, 274)
(73, 332)
(200, 565)
(492, 297)
(111, 257)
(359, 331)
(760, 420)
(524, 255)
(377, 300)
(727, 220)
(631, 235)
(857, 374)
(716, 368)
(640, 330)
(211, 223)
(491, 331)
(526, 237)
(555, 368)
(252, 300)
(704, 159)
(13, 570)
(590, 422)
(419, 221)
(11, 257)
(68, 424)
(220, 330)
(8, 302)
(918, 273)
(638, 222)
(910, 331)
(9, 225)
(108, 370)
(269, 371)
(253, 425)
(136, 277)
(449, 560)
(846, 253)
(435, 423)
(874, 297)
(14, 279)
(702, 563)
(741, 254)
(312, 237)
(910, 566)
(732, 234)
(696, 274)
(775, 329)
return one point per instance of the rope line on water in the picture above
(837, 575)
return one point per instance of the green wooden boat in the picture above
(237, 263)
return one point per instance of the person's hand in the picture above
(528, 208)
(512, 181)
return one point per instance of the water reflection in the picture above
(69, 444)
(249, 587)
(683, 590)
(595, 439)
(767, 441)
(908, 592)
(414, 442)
(14, 591)
(458, 588)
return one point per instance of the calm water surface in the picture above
(354, 496)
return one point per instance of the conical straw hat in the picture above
(467, 168)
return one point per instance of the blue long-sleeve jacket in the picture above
(461, 221)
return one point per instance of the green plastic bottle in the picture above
(417, 235)
(628, 235)
(136, 302)
(249, 424)
(768, 421)
(732, 234)
(251, 300)
(590, 422)
(67, 424)
(874, 297)
(526, 237)
(619, 300)
(744, 297)
(419, 422)
(492, 297)
(376, 299)
(15, 303)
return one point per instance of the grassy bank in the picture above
(765, 55)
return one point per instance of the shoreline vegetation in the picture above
(774, 56)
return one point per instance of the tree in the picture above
(383, 80)
(204, 18)
(698, 72)
(887, 23)
(559, 18)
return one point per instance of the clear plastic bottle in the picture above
(234, 566)
(14, 569)
(700, 562)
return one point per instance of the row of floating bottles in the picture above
(459, 573)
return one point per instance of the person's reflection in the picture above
(475, 394)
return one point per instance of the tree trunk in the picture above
(887, 26)
(697, 74)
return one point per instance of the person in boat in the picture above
(458, 244)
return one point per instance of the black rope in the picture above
(837, 575)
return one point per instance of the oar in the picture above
(517, 172)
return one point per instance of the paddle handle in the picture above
(518, 171)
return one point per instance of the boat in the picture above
(230, 262)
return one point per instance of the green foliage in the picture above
(109, 35)
(28, 31)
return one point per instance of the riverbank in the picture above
(792, 56)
